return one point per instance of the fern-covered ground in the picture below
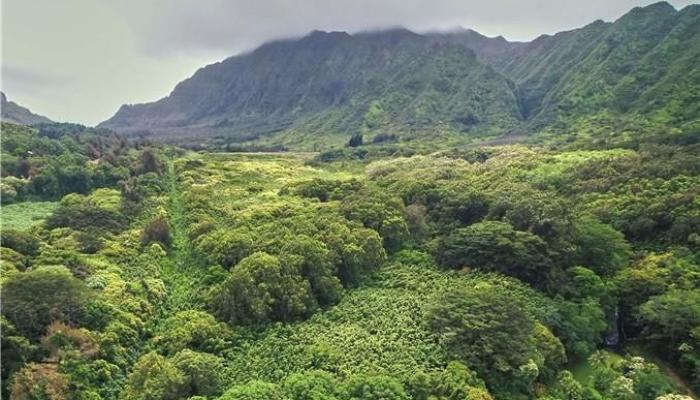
(23, 215)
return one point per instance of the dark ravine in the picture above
(460, 82)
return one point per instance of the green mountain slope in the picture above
(16, 114)
(334, 83)
(638, 74)
(633, 67)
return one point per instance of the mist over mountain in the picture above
(640, 71)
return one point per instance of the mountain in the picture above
(327, 86)
(334, 83)
(16, 114)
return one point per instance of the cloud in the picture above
(79, 60)
(164, 27)
(21, 79)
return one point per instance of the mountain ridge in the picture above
(16, 114)
(459, 83)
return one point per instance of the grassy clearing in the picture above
(23, 215)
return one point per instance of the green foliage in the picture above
(488, 330)
(456, 381)
(294, 254)
(53, 160)
(191, 329)
(16, 349)
(312, 385)
(629, 378)
(375, 388)
(35, 298)
(204, 373)
(23, 215)
(84, 213)
(261, 289)
(600, 247)
(496, 246)
(22, 242)
(254, 390)
(154, 378)
(225, 248)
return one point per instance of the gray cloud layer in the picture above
(166, 26)
(94, 55)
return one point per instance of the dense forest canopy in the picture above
(371, 272)
(439, 216)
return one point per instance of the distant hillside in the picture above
(16, 114)
(326, 87)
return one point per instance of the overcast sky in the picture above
(79, 60)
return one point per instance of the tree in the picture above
(154, 378)
(224, 247)
(672, 320)
(487, 328)
(35, 298)
(63, 341)
(39, 381)
(150, 162)
(260, 289)
(599, 247)
(356, 251)
(254, 390)
(312, 385)
(79, 213)
(550, 351)
(496, 246)
(355, 141)
(672, 316)
(374, 388)
(204, 373)
(381, 211)
(581, 326)
(158, 231)
(311, 258)
(456, 381)
(16, 351)
(24, 243)
(567, 388)
(192, 329)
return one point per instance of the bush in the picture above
(204, 373)
(39, 381)
(35, 298)
(22, 242)
(496, 246)
(488, 329)
(191, 329)
(260, 290)
(157, 231)
(154, 378)
(224, 247)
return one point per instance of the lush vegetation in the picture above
(604, 84)
(481, 273)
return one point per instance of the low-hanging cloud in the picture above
(79, 60)
(171, 26)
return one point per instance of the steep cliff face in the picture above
(335, 83)
(461, 81)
